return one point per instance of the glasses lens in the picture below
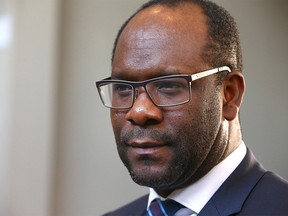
(169, 91)
(116, 95)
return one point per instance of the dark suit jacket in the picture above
(249, 190)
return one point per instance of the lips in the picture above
(146, 147)
(147, 151)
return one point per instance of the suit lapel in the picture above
(230, 197)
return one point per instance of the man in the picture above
(175, 92)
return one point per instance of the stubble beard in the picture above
(189, 151)
(190, 146)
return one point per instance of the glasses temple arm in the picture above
(209, 72)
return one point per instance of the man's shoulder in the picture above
(271, 177)
(268, 193)
(269, 196)
(249, 190)
(272, 184)
(134, 208)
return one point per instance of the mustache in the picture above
(138, 133)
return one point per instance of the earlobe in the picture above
(233, 91)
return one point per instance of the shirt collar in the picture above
(196, 195)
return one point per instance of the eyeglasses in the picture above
(163, 91)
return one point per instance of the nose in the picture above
(144, 112)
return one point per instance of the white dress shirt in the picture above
(195, 196)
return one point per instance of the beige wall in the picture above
(27, 100)
(57, 151)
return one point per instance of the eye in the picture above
(122, 90)
(121, 87)
(170, 86)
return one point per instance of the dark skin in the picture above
(170, 148)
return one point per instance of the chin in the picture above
(158, 179)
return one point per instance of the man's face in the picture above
(167, 148)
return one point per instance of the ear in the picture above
(233, 91)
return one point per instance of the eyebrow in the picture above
(124, 76)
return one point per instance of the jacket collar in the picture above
(231, 196)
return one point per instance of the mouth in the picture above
(147, 150)
(146, 147)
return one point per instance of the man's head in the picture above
(170, 147)
(223, 44)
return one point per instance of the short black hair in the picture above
(223, 46)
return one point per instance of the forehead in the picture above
(162, 37)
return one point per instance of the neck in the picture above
(234, 137)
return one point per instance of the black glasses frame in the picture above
(135, 85)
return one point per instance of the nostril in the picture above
(151, 122)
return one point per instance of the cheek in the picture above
(117, 121)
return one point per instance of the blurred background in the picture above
(57, 151)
